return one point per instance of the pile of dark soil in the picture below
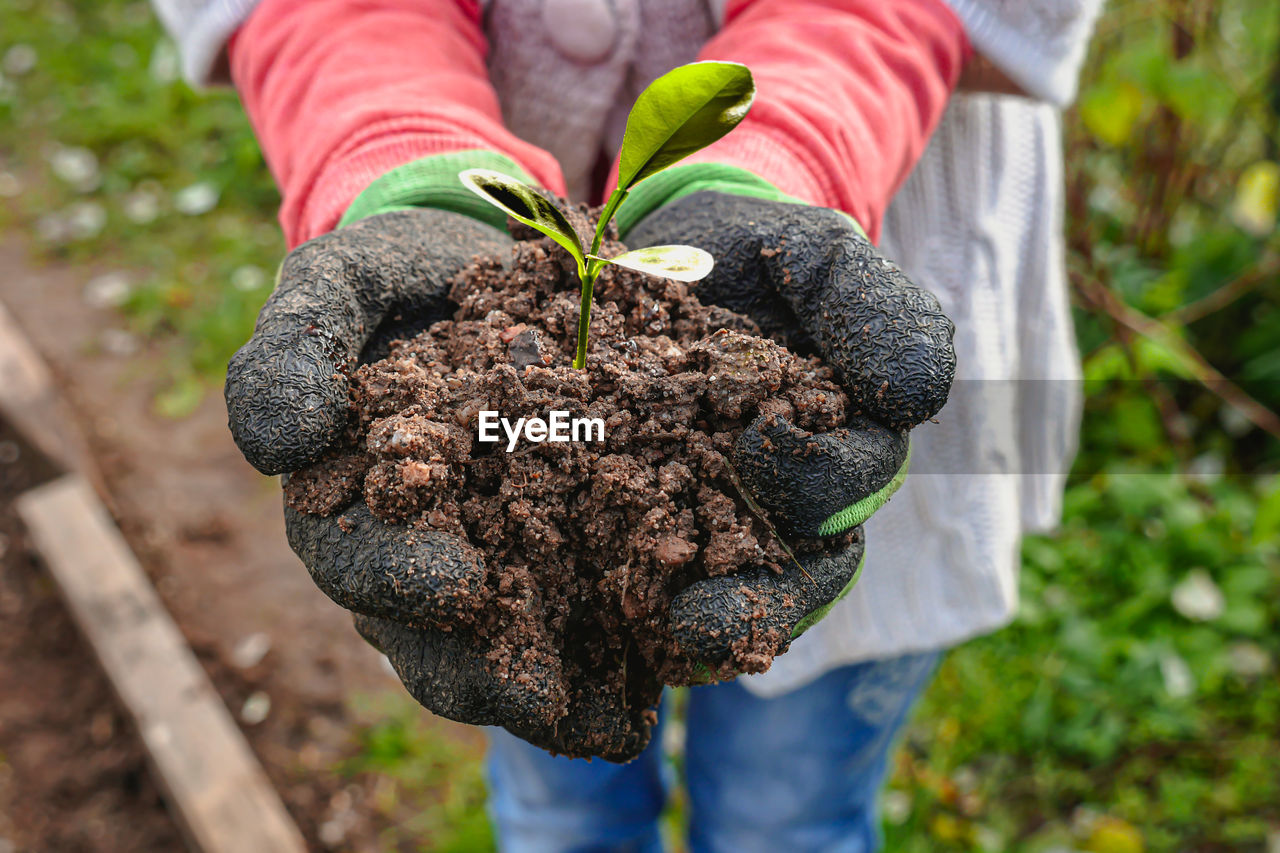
(586, 543)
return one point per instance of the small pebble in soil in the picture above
(526, 349)
(256, 708)
(250, 650)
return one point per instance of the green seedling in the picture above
(682, 111)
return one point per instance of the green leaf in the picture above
(683, 263)
(525, 204)
(1266, 523)
(682, 111)
(1111, 111)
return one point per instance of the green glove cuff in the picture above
(704, 674)
(852, 516)
(818, 615)
(858, 513)
(433, 182)
(679, 181)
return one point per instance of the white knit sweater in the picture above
(979, 222)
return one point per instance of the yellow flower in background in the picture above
(1113, 835)
(1111, 111)
(1254, 207)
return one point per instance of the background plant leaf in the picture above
(682, 111)
(525, 204)
(682, 263)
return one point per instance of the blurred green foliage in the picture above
(1135, 703)
(427, 790)
(1137, 687)
(105, 147)
(1172, 196)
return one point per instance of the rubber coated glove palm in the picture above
(341, 298)
(808, 276)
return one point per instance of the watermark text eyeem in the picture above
(558, 426)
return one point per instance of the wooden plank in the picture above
(30, 402)
(211, 777)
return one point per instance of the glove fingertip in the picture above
(600, 722)
(283, 407)
(724, 621)
(745, 620)
(448, 674)
(820, 484)
(391, 571)
(888, 337)
(856, 514)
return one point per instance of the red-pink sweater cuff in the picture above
(342, 91)
(848, 93)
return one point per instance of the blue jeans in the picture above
(798, 772)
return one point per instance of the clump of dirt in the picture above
(586, 543)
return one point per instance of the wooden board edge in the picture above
(216, 787)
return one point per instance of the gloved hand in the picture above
(340, 300)
(808, 275)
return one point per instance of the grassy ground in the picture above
(1133, 704)
(1134, 699)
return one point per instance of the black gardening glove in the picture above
(808, 274)
(341, 298)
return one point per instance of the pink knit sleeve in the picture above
(848, 92)
(342, 91)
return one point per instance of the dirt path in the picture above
(207, 525)
(209, 530)
(73, 777)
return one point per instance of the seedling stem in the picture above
(682, 111)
